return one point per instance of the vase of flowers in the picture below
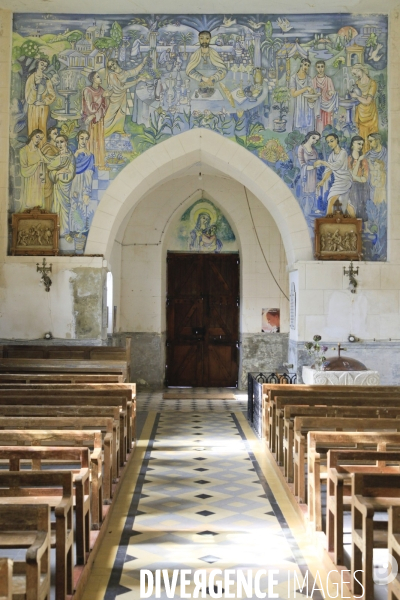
(317, 352)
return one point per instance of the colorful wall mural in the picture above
(306, 94)
(203, 228)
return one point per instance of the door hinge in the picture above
(238, 301)
(167, 301)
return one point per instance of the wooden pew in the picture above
(325, 440)
(71, 396)
(90, 439)
(394, 550)
(340, 465)
(70, 352)
(55, 489)
(301, 427)
(292, 411)
(110, 438)
(26, 526)
(64, 378)
(358, 398)
(271, 391)
(53, 366)
(112, 412)
(371, 493)
(58, 456)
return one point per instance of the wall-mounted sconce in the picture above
(45, 279)
(351, 272)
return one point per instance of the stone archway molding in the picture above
(199, 146)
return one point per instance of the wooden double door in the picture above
(202, 320)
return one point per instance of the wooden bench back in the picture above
(28, 483)
(35, 437)
(25, 517)
(343, 460)
(77, 352)
(14, 454)
(376, 485)
(37, 365)
(376, 439)
(86, 387)
(295, 410)
(271, 389)
(353, 399)
(64, 378)
(306, 424)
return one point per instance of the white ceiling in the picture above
(227, 7)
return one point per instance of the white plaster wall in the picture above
(148, 237)
(27, 311)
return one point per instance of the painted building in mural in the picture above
(306, 94)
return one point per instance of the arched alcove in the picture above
(174, 156)
(138, 261)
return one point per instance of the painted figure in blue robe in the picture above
(82, 209)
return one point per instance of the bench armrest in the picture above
(38, 548)
(363, 505)
(64, 507)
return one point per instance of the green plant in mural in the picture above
(293, 140)
(107, 45)
(116, 34)
(74, 37)
(68, 129)
(24, 60)
(185, 38)
(172, 122)
(281, 97)
(154, 133)
(271, 45)
(252, 140)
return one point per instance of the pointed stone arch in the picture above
(199, 146)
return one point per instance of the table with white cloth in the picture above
(315, 377)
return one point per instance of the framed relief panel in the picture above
(35, 232)
(338, 238)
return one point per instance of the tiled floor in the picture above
(196, 497)
(155, 401)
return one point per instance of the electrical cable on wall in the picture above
(259, 243)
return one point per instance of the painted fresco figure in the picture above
(366, 114)
(62, 171)
(39, 94)
(329, 99)
(377, 161)
(300, 84)
(358, 166)
(338, 165)
(205, 65)
(32, 171)
(203, 238)
(94, 107)
(81, 188)
(307, 156)
(50, 150)
(114, 118)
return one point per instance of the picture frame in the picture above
(338, 237)
(35, 232)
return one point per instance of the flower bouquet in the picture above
(316, 351)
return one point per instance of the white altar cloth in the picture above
(314, 377)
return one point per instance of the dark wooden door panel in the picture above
(184, 364)
(202, 319)
(222, 366)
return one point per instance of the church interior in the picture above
(199, 300)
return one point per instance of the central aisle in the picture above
(195, 497)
